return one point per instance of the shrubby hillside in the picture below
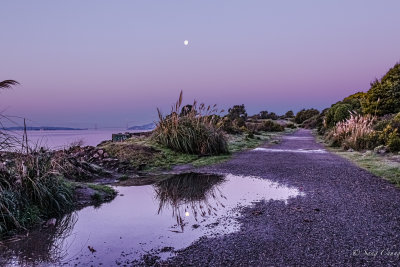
(367, 120)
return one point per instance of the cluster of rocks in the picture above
(101, 163)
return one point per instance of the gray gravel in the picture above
(348, 217)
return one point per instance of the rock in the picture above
(50, 223)
(380, 149)
(368, 153)
(350, 150)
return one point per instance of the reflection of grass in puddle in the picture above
(189, 193)
(46, 245)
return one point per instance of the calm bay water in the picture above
(61, 139)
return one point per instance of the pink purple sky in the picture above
(111, 63)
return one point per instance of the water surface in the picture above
(157, 218)
(59, 139)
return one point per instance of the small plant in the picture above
(193, 131)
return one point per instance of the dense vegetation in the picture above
(364, 120)
(384, 95)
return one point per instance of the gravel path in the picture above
(348, 217)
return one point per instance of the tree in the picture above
(289, 114)
(237, 111)
(263, 115)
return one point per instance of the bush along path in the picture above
(346, 216)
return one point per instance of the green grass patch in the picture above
(103, 188)
(147, 155)
(379, 165)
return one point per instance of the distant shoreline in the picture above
(20, 128)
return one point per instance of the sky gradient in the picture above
(111, 63)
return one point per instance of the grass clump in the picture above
(193, 131)
(356, 132)
(32, 190)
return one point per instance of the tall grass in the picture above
(191, 130)
(32, 189)
(356, 132)
(31, 184)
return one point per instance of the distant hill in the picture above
(43, 128)
(149, 126)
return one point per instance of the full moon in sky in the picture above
(186, 42)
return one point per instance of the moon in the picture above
(186, 42)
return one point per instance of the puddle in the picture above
(161, 217)
(320, 151)
(298, 138)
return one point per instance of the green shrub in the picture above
(271, 126)
(290, 125)
(227, 126)
(305, 114)
(239, 122)
(342, 113)
(384, 95)
(382, 123)
(337, 113)
(313, 122)
(393, 142)
(194, 132)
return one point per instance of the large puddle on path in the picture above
(158, 218)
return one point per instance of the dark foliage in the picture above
(305, 114)
(237, 111)
(384, 95)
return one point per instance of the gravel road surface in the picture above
(346, 217)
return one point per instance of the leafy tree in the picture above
(266, 115)
(272, 116)
(263, 115)
(237, 111)
(289, 114)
